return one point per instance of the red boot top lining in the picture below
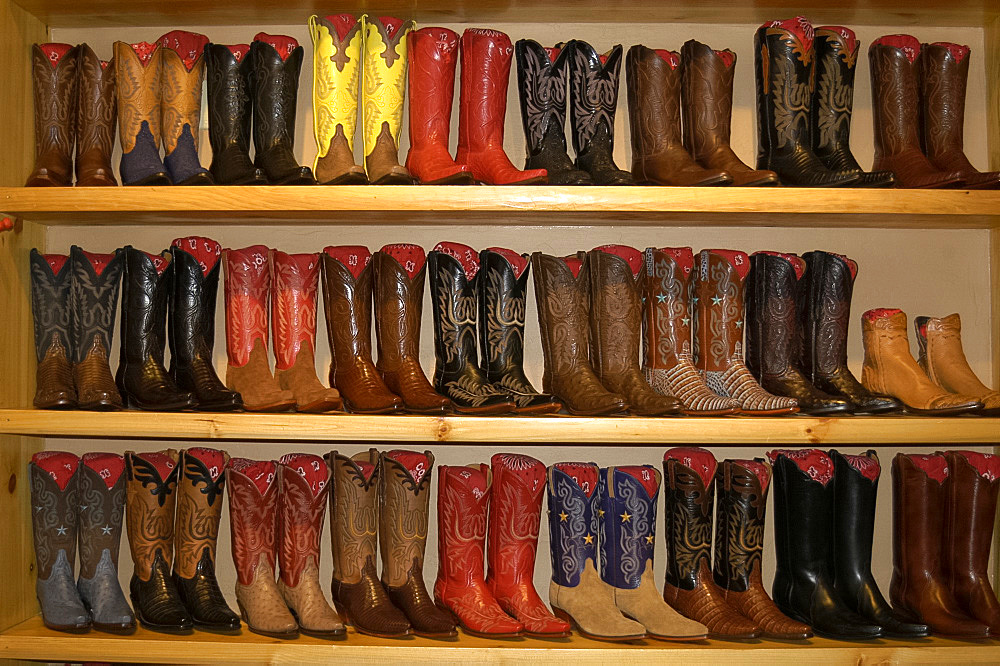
(584, 474)
(310, 467)
(109, 466)
(517, 262)
(60, 465)
(205, 251)
(816, 464)
(261, 472)
(353, 257)
(213, 460)
(463, 254)
(701, 461)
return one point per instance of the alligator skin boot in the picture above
(337, 43)
(823, 303)
(707, 111)
(921, 590)
(230, 114)
(653, 86)
(384, 64)
(200, 487)
(94, 287)
(275, 61)
(138, 81)
(942, 358)
(542, 77)
(773, 334)
(687, 519)
(890, 369)
(717, 307)
(741, 488)
(501, 295)
(54, 85)
(293, 331)
(666, 333)
(784, 59)
(347, 273)
(460, 589)
(404, 500)
(301, 510)
(853, 530)
(563, 300)
(54, 516)
(454, 273)
(512, 543)
(482, 106)
(399, 298)
(51, 307)
(180, 105)
(96, 120)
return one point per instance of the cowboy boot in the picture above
(653, 86)
(501, 294)
(717, 304)
(542, 77)
(293, 329)
(275, 61)
(384, 88)
(460, 589)
(404, 496)
(230, 113)
(51, 280)
(454, 269)
(96, 119)
(482, 106)
(689, 585)
(138, 82)
(889, 368)
(921, 590)
(301, 510)
(248, 285)
(180, 105)
(358, 595)
(824, 308)
(784, 60)
(54, 504)
(832, 103)
(398, 279)
(939, 340)
(512, 542)
(54, 86)
(563, 300)
(707, 110)
(94, 294)
(347, 297)
(741, 487)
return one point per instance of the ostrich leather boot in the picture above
(384, 63)
(94, 286)
(181, 80)
(51, 313)
(96, 120)
(230, 113)
(54, 86)
(138, 81)
(942, 358)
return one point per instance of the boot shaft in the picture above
(433, 57)
(741, 487)
(939, 340)
(653, 86)
(337, 53)
(804, 489)
(856, 487)
(454, 280)
(228, 72)
(51, 281)
(101, 483)
(150, 495)
(404, 501)
(627, 523)
(347, 273)
(55, 85)
(824, 308)
(593, 94)
(399, 296)
(293, 305)
(462, 504)
(248, 288)
(833, 99)
(885, 341)
(944, 73)
(970, 508)
(666, 317)
(97, 114)
(562, 290)
(254, 488)
(482, 104)
(501, 292)
(784, 59)
(275, 86)
(95, 283)
(918, 510)
(353, 512)
(773, 334)
(542, 79)
(574, 507)
(615, 273)
(717, 306)
(201, 484)
(183, 72)
(54, 508)
(301, 510)
(385, 64)
(689, 475)
(147, 279)
(707, 97)
(515, 513)
(138, 80)
(895, 69)
(196, 265)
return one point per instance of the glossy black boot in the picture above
(229, 115)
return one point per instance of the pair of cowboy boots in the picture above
(939, 340)
(75, 114)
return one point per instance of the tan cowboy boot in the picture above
(942, 358)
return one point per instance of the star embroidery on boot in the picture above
(61, 531)
(83, 507)
(563, 516)
(661, 298)
(626, 517)
(716, 300)
(588, 539)
(649, 539)
(685, 320)
(38, 508)
(600, 513)
(694, 300)
(106, 530)
(739, 323)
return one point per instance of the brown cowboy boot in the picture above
(384, 59)
(180, 105)
(51, 279)
(54, 84)
(95, 284)
(96, 120)
(942, 358)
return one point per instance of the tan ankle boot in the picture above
(942, 358)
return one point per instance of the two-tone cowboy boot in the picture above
(96, 120)
(383, 90)
(138, 81)
(54, 84)
(94, 286)
(230, 114)
(181, 80)
(51, 308)
(939, 340)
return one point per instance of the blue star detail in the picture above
(661, 298)
(739, 323)
(716, 300)
(61, 531)
(686, 321)
(106, 530)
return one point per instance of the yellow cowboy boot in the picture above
(183, 71)
(138, 70)
(384, 89)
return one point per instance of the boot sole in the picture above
(271, 407)
(460, 178)
(539, 410)
(391, 409)
(713, 412)
(948, 411)
(261, 632)
(769, 412)
(345, 618)
(67, 628)
(502, 408)
(319, 407)
(563, 615)
(479, 634)
(330, 635)
(349, 178)
(120, 629)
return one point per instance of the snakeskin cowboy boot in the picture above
(94, 287)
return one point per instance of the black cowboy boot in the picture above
(95, 282)
(229, 115)
(50, 310)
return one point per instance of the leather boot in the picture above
(482, 106)
(853, 530)
(200, 487)
(615, 328)
(804, 509)
(293, 331)
(51, 307)
(939, 340)
(666, 334)
(399, 298)
(707, 110)
(501, 294)
(774, 337)
(689, 585)
(785, 65)
(512, 543)
(895, 72)
(248, 285)
(150, 502)
(454, 272)
(542, 77)
(653, 85)
(832, 103)
(254, 487)
(563, 301)
(180, 105)
(921, 590)
(230, 114)
(94, 285)
(460, 589)
(138, 81)
(54, 85)
(717, 304)
(404, 497)
(96, 120)
(741, 487)
(347, 296)
(54, 517)
(384, 88)
(358, 595)
(142, 380)
(337, 45)
(302, 508)
(944, 72)
(275, 61)
(433, 55)
(889, 368)
(823, 303)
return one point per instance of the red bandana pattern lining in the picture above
(815, 463)
(727, 57)
(310, 467)
(55, 262)
(701, 461)
(847, 36)
(957, 51)
(644, 474)
(798, 26)
(472, 478)
(283, 44)
(144, 51)
(392, 25)
(353, 257)
(99, 261)
(517, 261)
(584, 474)
(159, 263)
(411, 257)
(342, 23)
(205, 251)
(987, 464)
(574, 264)
(213, 460)
(463, 254)
(908, 44)
(530, 470)
(109, 466)
(365, 467)
(417, 464)
(60, 465)
(759, 469)
(55, 52)
(683, 257)
(162, 462)
(880, 313)
(238, 50)
(867, 465)
(261, 472)
(188, 45)
(552, 52)
(739, 260)
(797, 263)
(672, 58)
(631, 256)
(935, 467)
